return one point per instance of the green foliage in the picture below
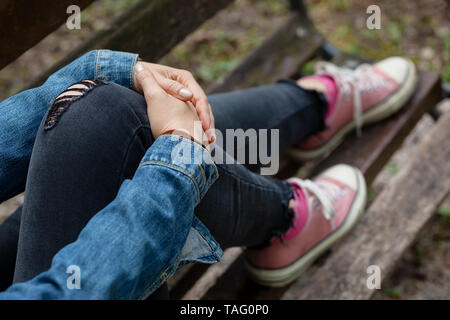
(339, 5)
(394, 31)
(370, 194)
(106, 8)
(308, 68)
(271, 7)
(445, 38)
(119, 5)
(392, 167)
(394, 293)
(212, 71)
(369, 34)
(399, 290)
(444, 211)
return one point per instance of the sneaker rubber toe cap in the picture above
(397, 68)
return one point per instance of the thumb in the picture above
(174, 88)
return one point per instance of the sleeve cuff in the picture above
(185, 156)
(116, 66)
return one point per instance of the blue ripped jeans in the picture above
(78, 165)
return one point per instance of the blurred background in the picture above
(418, 29)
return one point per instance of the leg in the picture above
(355, 97)
(78, 165)
(73, 173)
(296, 112)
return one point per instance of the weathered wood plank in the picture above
(388, 227)
(150, 28)
(212, 274)
(369, 153)
(185, 278)
(280, 56)
(25, 23)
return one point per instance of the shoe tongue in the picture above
(321, 200)
(326, 186)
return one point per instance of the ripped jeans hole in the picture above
(66, 98)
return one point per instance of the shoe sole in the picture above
(387, 108)
(282, 276)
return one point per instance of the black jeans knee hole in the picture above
(66, 98)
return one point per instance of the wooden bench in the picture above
(392, 221)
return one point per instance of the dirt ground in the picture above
(418, 29)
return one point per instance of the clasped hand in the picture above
(175, 102)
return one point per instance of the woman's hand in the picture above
(179, 84)
(167, 113)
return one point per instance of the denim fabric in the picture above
(21, 114)
(139, 240)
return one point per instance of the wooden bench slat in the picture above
(388, 227)
(381, 139)
(280, 56)
(150, 28)
(214, 272)
(25, 23)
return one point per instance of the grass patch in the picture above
(391, 167)
(444, 211)
(444, 34)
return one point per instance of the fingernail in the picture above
(185, 93)
(139, 68)
(211, 136)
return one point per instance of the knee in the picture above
(93, 102)
(66, 98)
(99, 128)
(93, 116)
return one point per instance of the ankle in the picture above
(292, 204)
(311, 83)
(323, 84)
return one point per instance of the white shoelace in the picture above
(359, 79)
(323, 199)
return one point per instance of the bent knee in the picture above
(95, 115)
(93, 99)
(65, 99)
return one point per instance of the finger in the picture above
(199, 98)
(147, 81)
(202, 107)
(211, 116)
(212, 136)
(175, 88)
(210, 133)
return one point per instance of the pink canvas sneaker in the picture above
(325, 210)
(367, 94)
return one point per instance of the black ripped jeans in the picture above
(84, 151)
